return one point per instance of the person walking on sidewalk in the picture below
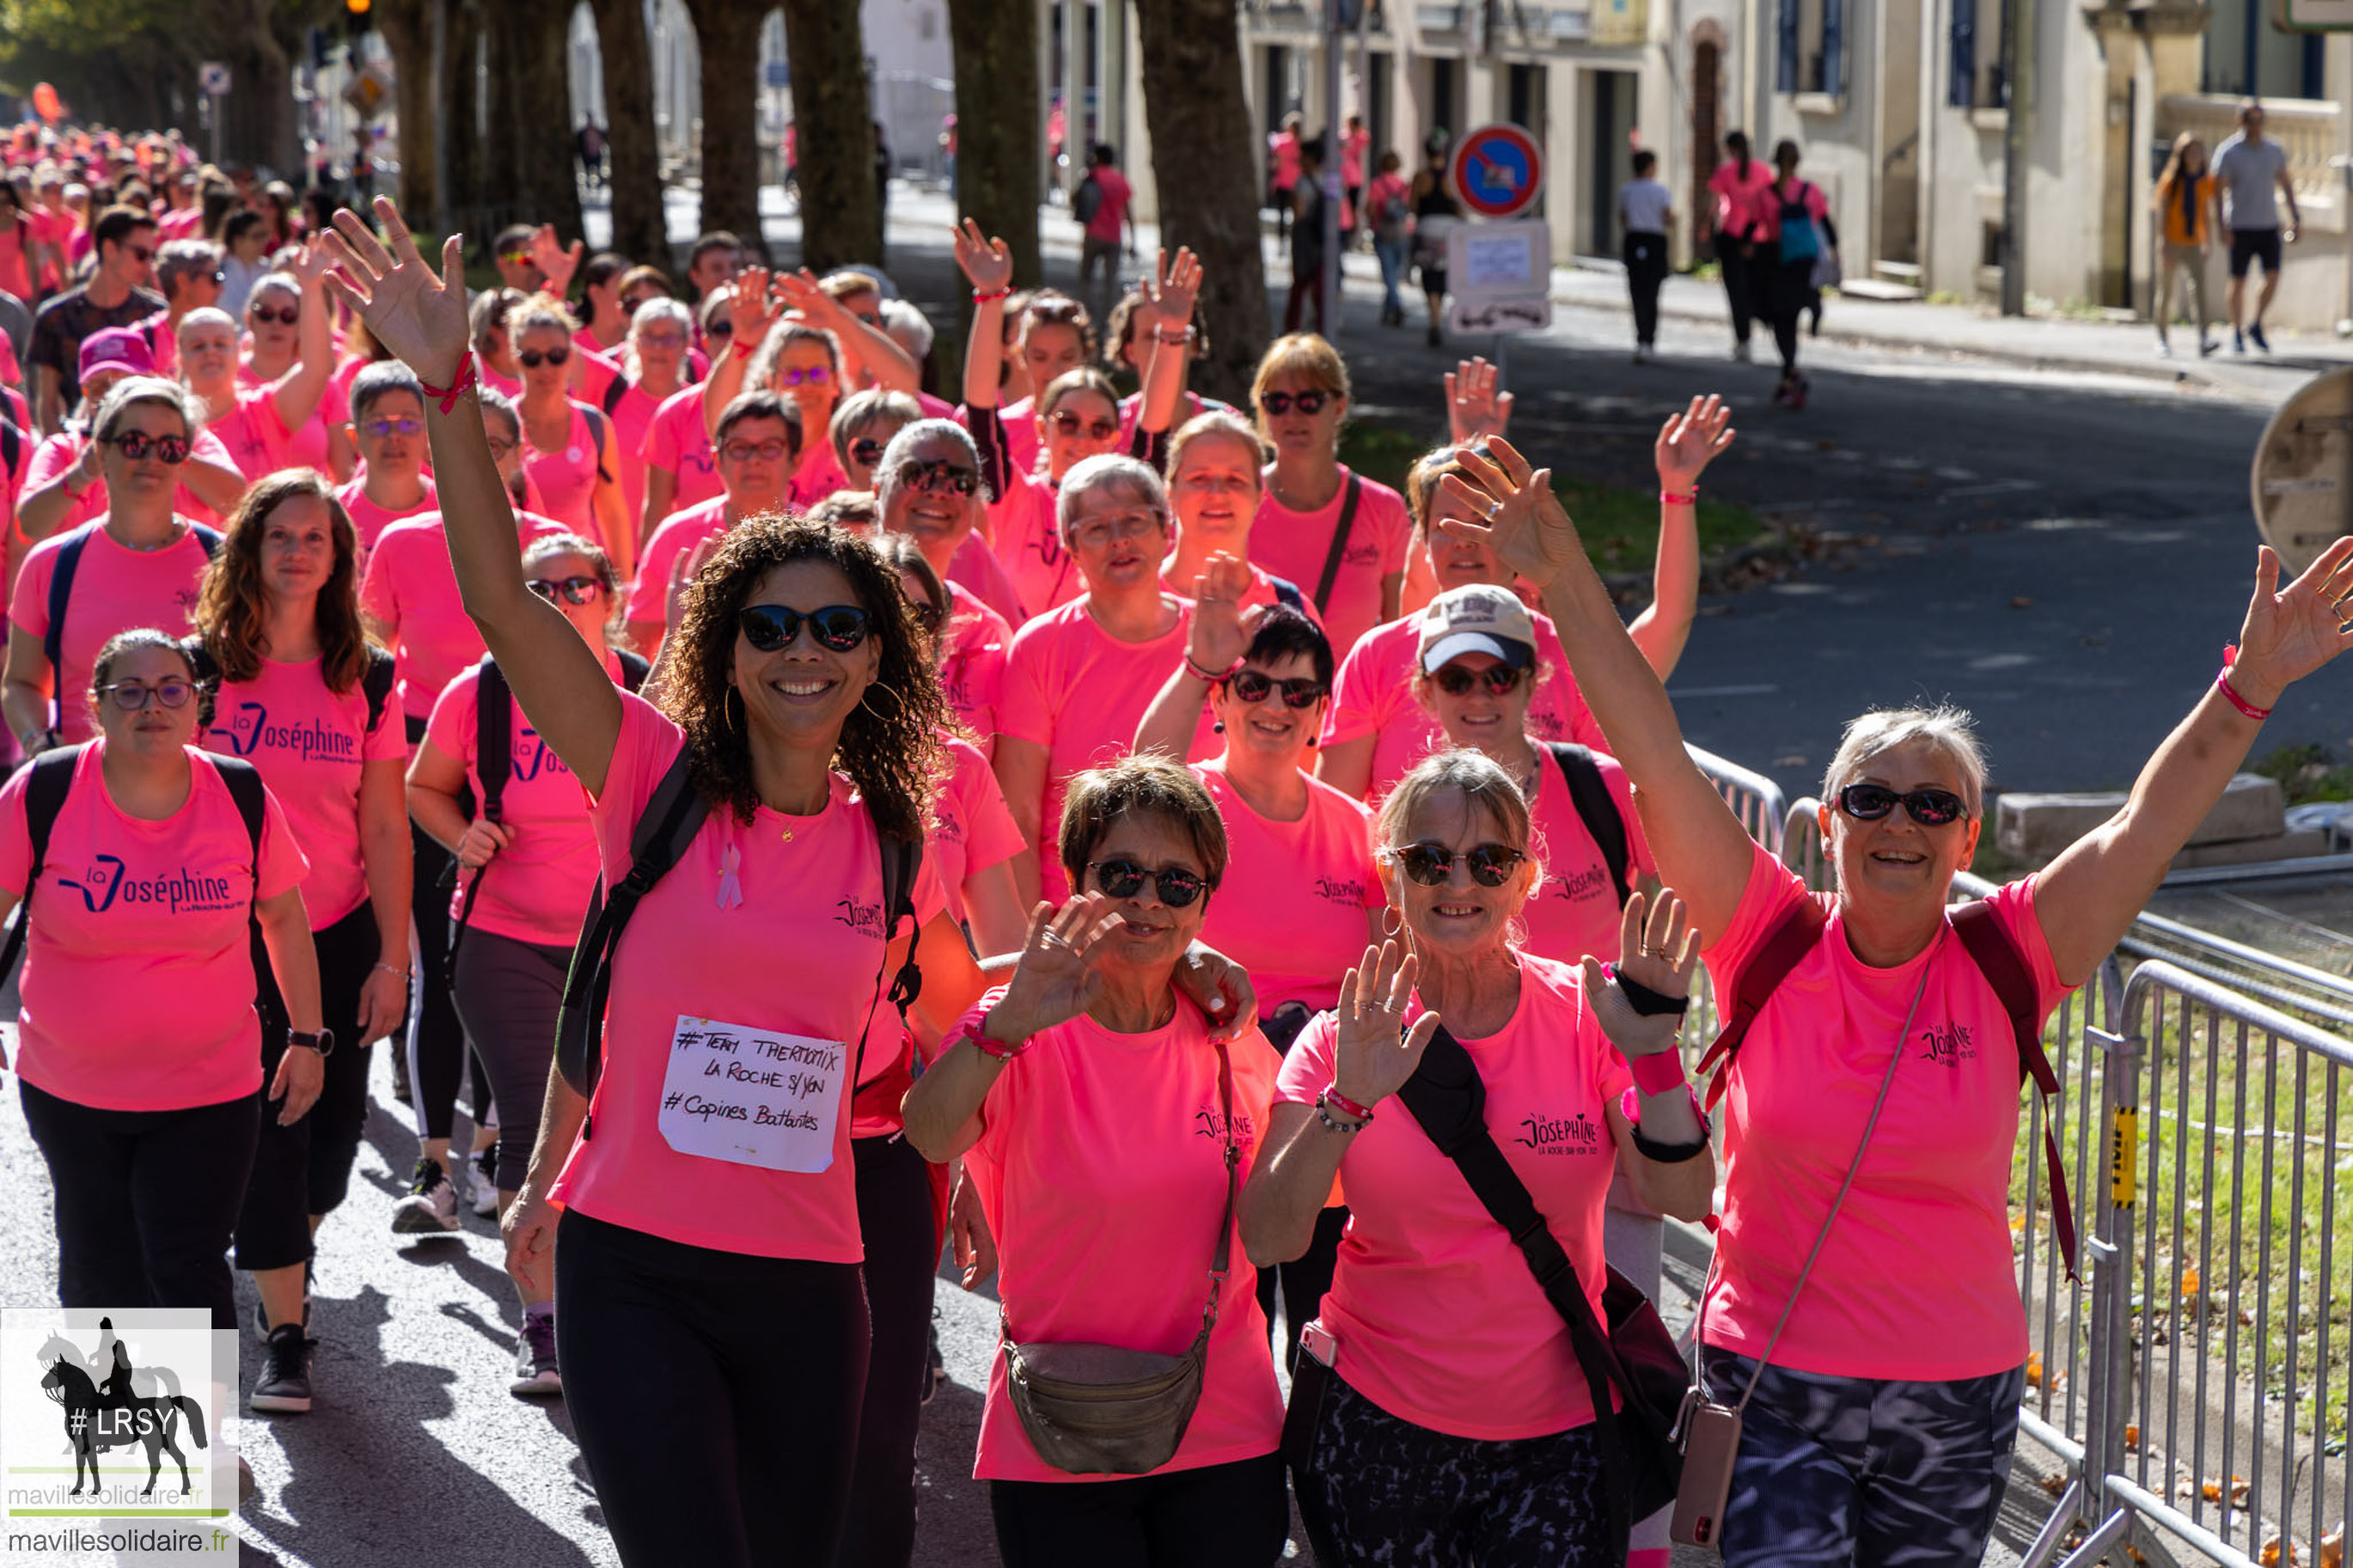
(1390, 212)
(1102, 203)
(1435, 214)
(2184, 236)
(1646, 208)
(1307, 240)
(1801, 235)
(2248, 168)
(1741, 186)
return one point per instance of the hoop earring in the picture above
(1392, 921)
(897, 707)
(728, 701)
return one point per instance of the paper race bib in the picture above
(752, 1096)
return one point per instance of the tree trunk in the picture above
(462, 113)
(1207, 174)
(258, 112)
(841, 205)
(995, 42)
(640, 229)
(531, 92)
(727, 36)
(407, 32)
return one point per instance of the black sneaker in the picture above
(285, 1385)
(2255, 336)
(935, 1367)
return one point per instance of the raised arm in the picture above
(558, 679)
(749, 313)
(298, 390)
(1702, 850)
(988, 264)
(1171, 295)
(1214, 645)
(2087, 898)
(1687, 443)
(893, 368)
(1477, 408)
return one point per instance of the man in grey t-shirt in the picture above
(2248, 171)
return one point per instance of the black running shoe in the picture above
(285, 1385)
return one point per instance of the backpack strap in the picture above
(2012, 979)
(45, 797)
(614, 390)
(1332, 557)
(1792, 937)
(61, 581)
(1598, 809)
(493, 765)
(674, 814)
(12, 445)
(634, 670)
(244, 781)
(597, 439)
(377, 683)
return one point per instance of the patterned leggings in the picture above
(1384, 1491)
(1855, 1472)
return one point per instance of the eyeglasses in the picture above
(131, 696)
(401, 425)
(768, 627)
(284, 318)
(1125, 879)
(661, 339)
(1928, 807)
(532, 359)
(1280, 403)
(927, 615)
(140, 253)
(814, 375)
(745, 451)
(1500, 679)
(865, 451)
(136, 444)
(1070, 423)
(573, 590)
(937, 474)
(1252, 686)
(1096, 532)
(1432, 865)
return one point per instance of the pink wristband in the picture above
(2230, 694)
(1661, 1072)
(1347, 1107)
(1669, 498)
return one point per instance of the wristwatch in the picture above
(322, 1042)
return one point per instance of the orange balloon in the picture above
(45, 104)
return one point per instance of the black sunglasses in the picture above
(1125, 879)
(1430, 865)
(1070, 423)
(937, 474)
(531, 358)
(1278, 403)
(136, 444)
(574, 589)
(768, 627)
(285, 316)
(1499, 680)
(865, 451)
(1928, 807)
(1252, 686)
(721, 327)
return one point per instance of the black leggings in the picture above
(145, 1200)
(306, 1169)
(895, 1211)
(714, 1394)
(1219, 1516)
(1791, 289)
(508, 994)
(436, 1041)
(1306, 1280)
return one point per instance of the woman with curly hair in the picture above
(302, 700)
(798, 693)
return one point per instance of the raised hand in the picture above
(1057, 978)
(802, 292)
(1172, 288)
(1375, 1053)
(312, 264)
(987, 262)
(1476, 407)
(1220, 988)
(751, 309)
(1689, 441)
(1657, 949)
(555, 263)
(1218, 637)
(420, 317)
(1524, 524)
(2290, 632)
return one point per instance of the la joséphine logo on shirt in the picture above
(1949, 1045)
(1578, 1134)
(249, 730)
(107, 883)
(531, 757)
(864, 919)
(1577, 887)
(1340, 890)
(1209, 1122)
(1361, 556)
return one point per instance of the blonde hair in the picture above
(1207, 426)
(540, 311)
(1949, 730)
(1302, 355)
(1486, 790)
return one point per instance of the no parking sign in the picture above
(1496, 171)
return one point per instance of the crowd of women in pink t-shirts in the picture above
(1242, 815)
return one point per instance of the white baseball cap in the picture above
(1477, 618)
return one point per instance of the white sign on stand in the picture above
(1500, 275)
(213, 77)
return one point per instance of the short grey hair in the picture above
(908, 327)
(137, 389)
(1107, 470)
(902, 446)
(860, 410)
(182, 259)
(1949, 730)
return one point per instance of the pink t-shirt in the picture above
(1285, 148)
(1438, 1318)
(370, 519)
(179, 223)
(1074, 688)
(134, 916)
(1295, 544)
(567, 478)
(306, 447)
(1740, 202)
(15, 276)
(972, 829)
(1373, 695)
(975, 566)
(1917, 1281)
(312, 745)
(411, 589)
(1102, 1175)
(255, 433)
(1029, 543)
(60, 452)
(1352, 158)
(1575, 912)
(1291, 906)
(680, 533)
(1112, 211)
(114, 589)
(801, 954)
(971, 663)
(1020, 421)
(817, 476)
(1805, 193)
(1261, 592)
(632, 416)
(677, 441)
(533, 890)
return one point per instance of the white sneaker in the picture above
(485, 1198)
(431, 1203)
(2164, 349)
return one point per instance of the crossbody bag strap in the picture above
(1332, 557)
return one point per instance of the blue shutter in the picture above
(1833, 46)
(1787, 74)
(1961, 89)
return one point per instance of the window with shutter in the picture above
(1961, 82)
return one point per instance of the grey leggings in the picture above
(507, 992)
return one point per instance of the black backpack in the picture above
(1598, 809)
(61, 581)
(1087, 200)
(45, 797)
(674, 814)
